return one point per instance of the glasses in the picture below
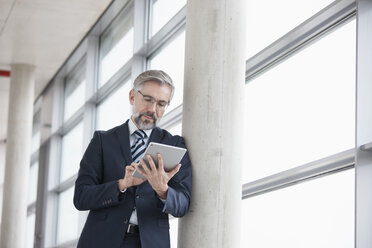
(149, 102)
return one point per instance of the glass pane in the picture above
(74, 93)
(163, 11)
(30, 231)
(114, 110)
(269, 20)
(176, 129)
(317, 213)
(303, 109)
(68, 217)
(116, 45)
(171, 60)
(35, 139)
(32, 183)
(71, 152)
(47, 113)
(173, 231)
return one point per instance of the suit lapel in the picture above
(123, 136)
(156, 135)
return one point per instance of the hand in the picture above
(128, 179)
(156, 175)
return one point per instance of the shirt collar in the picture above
(133, 128)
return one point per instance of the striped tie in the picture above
(138, 147)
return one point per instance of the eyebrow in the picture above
(159, 100)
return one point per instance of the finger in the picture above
(151, 162)
(129, 169)
(174, 171)
(140, 170)
(144, 166)
(139, 180)
(160, 163)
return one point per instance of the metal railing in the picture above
(321, 167)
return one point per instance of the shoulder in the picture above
(112, 135)
(112, 130)
(168, 138)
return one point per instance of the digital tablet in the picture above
(172, 156)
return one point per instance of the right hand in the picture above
(129, 180)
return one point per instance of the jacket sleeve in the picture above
(90, 192)
(179, 188)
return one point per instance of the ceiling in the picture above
(42, 33)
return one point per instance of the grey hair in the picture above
(153, 75)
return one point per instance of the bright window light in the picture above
(163, 11)
(171, 59)
(304, 108)
(318, 213)
(114, 110)
(268, 20)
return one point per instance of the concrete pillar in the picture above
(213, 121)
(17, 161)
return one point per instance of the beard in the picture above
(146, 124)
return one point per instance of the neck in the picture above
(134, 122)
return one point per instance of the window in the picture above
(115, 109)
(173, 231)
(35, 139)
(116, 45)
(267, 21)
(32, 183)
(68, 217)
(176, 129)
(303, 109)
(163, 11)
(171, 60)
(71, 152)
(318, 213)
(74, 92)
(30, 231)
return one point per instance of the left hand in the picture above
(156, 175)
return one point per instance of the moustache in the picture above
(152, 115)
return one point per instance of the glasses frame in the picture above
(161, 105)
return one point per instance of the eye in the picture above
(148, 99)
(162, 104)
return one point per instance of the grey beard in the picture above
(145, 125)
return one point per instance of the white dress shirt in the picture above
(132, 139)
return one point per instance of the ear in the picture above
(131, 96)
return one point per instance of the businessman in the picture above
(128, 211)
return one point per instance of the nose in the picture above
(152, 108)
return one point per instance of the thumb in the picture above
(129, 168)
(175, 170)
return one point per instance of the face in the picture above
(145, 114)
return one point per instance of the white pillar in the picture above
(17, 163)
(213, 121)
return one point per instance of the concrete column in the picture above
(213, 121)
(17, 161)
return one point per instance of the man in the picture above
(127, 211)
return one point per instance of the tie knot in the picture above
(140, 134)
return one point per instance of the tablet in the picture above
(172, 155)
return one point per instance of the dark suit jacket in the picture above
(102, 165)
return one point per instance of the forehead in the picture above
(156, 90)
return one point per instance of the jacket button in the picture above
(137, 196)
(125, 221)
